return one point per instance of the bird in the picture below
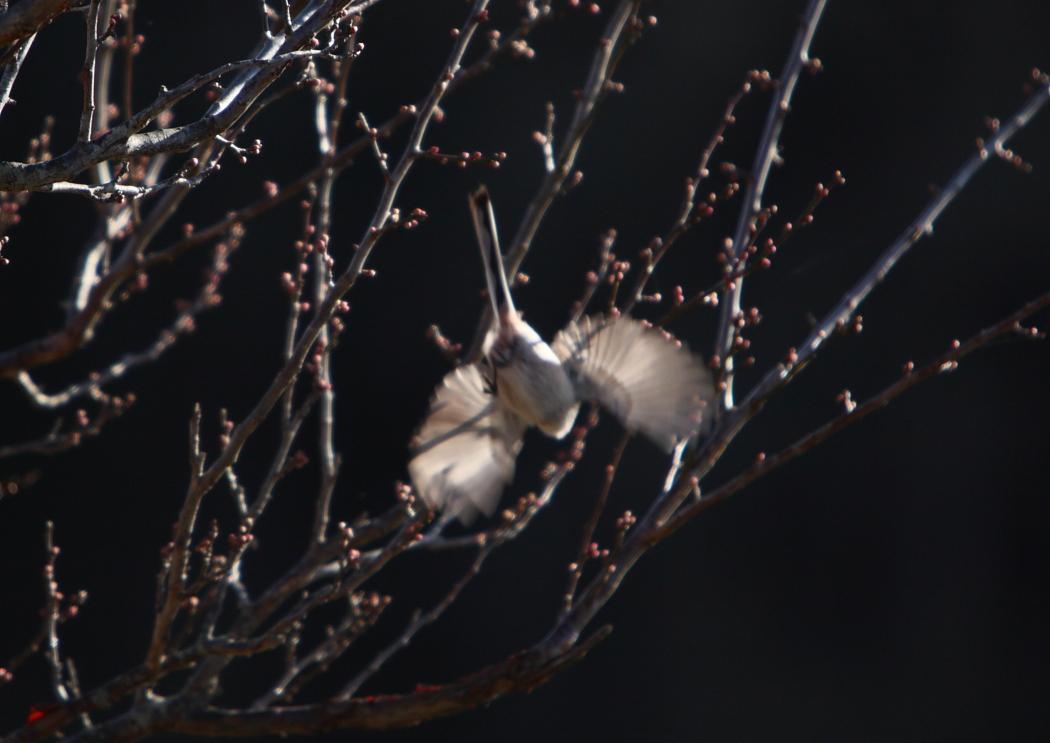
(464, 453)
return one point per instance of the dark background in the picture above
(890, 586)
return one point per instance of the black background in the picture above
(891, 585)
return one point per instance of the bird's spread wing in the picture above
(650, 382)
(465, 450)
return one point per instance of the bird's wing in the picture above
(466, 447)
(648, 380)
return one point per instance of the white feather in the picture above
(648, 381)
(466, 446)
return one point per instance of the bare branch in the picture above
(691, 212)
(63, 342)
(614, 42)
(419, 621)
(287, 375)
(519, 672)
(51, 610)
(11, 70)
(946, 362)
(327, 124)
(127, 140)
(752, 200)
(587, 546)
(919, 228)
(603, 586)
(66, 435)
(87, 73)
(29, 16)
(185, 322)
(215, 604)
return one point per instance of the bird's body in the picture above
(470, 439)
(530, 379)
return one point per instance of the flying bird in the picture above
(464, 453)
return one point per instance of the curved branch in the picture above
(521, 672)
(127, 140)
(603, 586)
(29, 16)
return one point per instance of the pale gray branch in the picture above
(10, 74)
(765, 155)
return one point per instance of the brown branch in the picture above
(11, 70)
(576, 568)
(418, 622)
(516, 523)
(689, 214)
(521, 672)
(177, 572)
(204, 479)
(363, 612)
(80, 326)
(325, 311)
(63, 436)
(185, 322)
(63, 342)
(594, 279)
(106, 696)
(753, 258)
(29, 16)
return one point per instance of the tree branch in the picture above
(521, 672)
(611, 48)
(946, 362)
(29, 16)
(752, 200)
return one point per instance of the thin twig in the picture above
(595, 278)
(576, 568)
(66, 435)
(418, 622)
(184, 323)
(328, 142)
(51, 615)
(87, 73)
(688, 214)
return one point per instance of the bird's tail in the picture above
(484, 219)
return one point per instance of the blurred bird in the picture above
(464, 453)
